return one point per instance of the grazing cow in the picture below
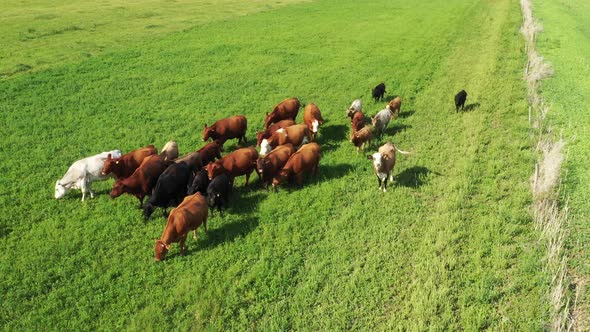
(228, 128)
(381, 120)
(125, 165)
(268, 166)
(379, 92)
(312, 117)
(383, 163)
(296, 135)
(143, 180)
(82, 173)
(170, 151)
(287, 109)
(394, 107)
(199, 183)
(189, 215)
(268, 132)
(306, 159)
(362, 137)
(357, 121)
(218, 193)
(356, 106)
(210, 151)
(236, 163)
(192, 160)
(170, 189)
(460, 99)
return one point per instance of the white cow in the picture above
(82, 173)
(356, 106)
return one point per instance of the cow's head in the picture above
(60, 190)
(209, 132)
(268, 119)
(161, 250)
(350, 112)
(110, 165)
(315, 124)
(280, 178)
(377, 159)
(213, 199)
(214, 169)
(260, 135)
(261, 164)
(265, 147)
(118, 189)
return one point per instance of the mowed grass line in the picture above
(449, 247)
(565, 44)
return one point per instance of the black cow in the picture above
(170, 189)
(200, 183)
(379, 92)
(460, 99)
(218, 192)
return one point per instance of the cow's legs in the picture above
(183, 244)
(247, 178)
(300, 179)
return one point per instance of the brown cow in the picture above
(296, 135)
(210, 151)
(268, 166)
(188, 216)
(125, 166)
(306, 159)
(287, 109)
(228, 128)
(312, 117)
(143, 180)
(193, 160)
(394, 107)
(383, 163)
(268, 132)
(362, 137)
(169, 151)
(239, 162)
(357, 121)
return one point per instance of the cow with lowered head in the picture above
(170, 189)
(228, 128)
(306, 159)
(143, 180)
(287, 109)
(218, 192)
(268, 166)
(260, 135)
(210, 152)
(237, 163)
(296, 135)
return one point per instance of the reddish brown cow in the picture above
(287, 109)
(125, 166)
(188, 216)
(362, 137)
(143, 180)
(357, 121)
(312, 117)
(296, 135)
(228, 128)
(306, 159)
(394, 107)
(239, 162)
(210, 151)
(268, 132)
(268, 166)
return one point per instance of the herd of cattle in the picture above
(203, 179)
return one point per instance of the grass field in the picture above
(565, 43)
(451, 246)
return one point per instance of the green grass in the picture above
(451, 246)
(565, 43)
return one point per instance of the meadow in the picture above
(450, 246)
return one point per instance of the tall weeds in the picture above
(550, 217)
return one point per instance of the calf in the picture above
(189, 215)
(357, 122)
(169, 151)
(460, 99)
(143, 180)
(287, 109)
(268, 132)
(312, 117)
(394, 107)
(170, 189)
(228, 128)
(210, 151)
(379, 92)
(82, 173)
(306, 159)
(356, 106)
(268, 166)
(192, 160)
(199, 183)
(362, 137)
(383, 163)
(236, 163)
(218, 193)
(296, 135)
(381, 120)
(126, 164)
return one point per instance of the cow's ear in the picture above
(109, 157)
(266, 113)
(167, 246)
(370, 157)
(205, 126)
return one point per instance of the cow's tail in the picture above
(401, 151)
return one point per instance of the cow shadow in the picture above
(389, 98)
(333, 133)
(470, 107)
(329, 172)
(406, 114)
(394, 129)
(414, 177)
(226, 233)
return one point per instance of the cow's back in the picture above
(240, 160)
(189, 214)
(138, 156)
(304, 159)
(296, 134)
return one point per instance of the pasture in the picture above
(449, 246)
